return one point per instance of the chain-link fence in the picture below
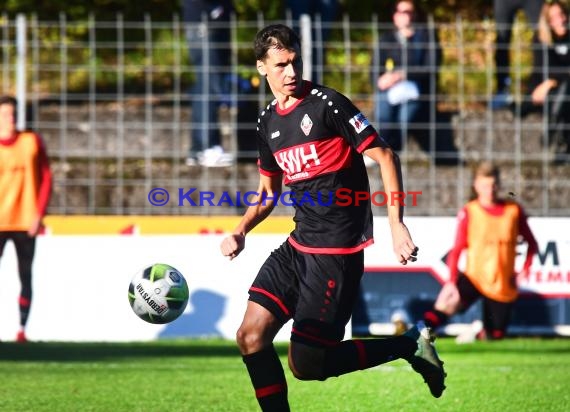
(112, 101)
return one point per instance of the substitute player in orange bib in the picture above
(25, 187)
(488, 228)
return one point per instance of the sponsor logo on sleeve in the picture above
(359, 122)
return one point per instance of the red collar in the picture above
(9, 141)
(306, 87)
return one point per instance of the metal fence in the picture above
(111, 100)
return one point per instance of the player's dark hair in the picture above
(419, 15)
(276, 35)
(397, 3)
(6, 99)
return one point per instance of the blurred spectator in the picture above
(25, 185)
(409, 57)
(549, 86)
(247, 115)
(327, 10)
(488, 229)
(209, 38)
(505, 12)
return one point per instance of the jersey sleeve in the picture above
(45, 177)
(459, 244)
(343, 116)
(528, 236)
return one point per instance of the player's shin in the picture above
(268, 379)
(435, 318)
(24, 305)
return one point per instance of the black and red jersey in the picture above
(317, 144)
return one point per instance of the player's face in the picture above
(283, 70)
(7, 121)
(486, 188)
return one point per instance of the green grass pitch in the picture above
(520, 374)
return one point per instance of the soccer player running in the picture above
(488, 228)
(25, 188)
(312, 138)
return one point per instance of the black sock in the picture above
(24, 304)
(434, 318)
(352, 355)
(268, 379)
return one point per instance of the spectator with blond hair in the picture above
(549, 88)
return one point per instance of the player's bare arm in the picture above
(262, 206)
(532, 245)
(390, 171)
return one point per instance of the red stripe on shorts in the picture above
(314, 338)
(273, 298)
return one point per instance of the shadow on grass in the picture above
(172, 348)
(85, 352)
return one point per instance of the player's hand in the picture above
(34, 229)
(540, 93)
(389, 79)
(232, 245)
(404, 248)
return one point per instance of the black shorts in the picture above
(496, 315)
(317, 291)
(24, 244)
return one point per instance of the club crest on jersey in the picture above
(306, 124)
(359, 122)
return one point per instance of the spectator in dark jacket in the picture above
(409, 57)
(208, 35)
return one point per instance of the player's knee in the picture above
(250, 340)
(306, 362)
(246, 340)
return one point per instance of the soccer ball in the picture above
(158, 294)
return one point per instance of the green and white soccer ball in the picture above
(158, 294)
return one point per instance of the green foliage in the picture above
(467, 66)
(247, 9)
(102, 9)
(250, 10)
